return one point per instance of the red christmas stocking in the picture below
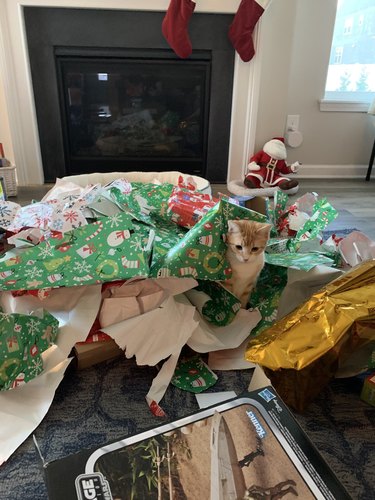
(242, 27)
(175, 24)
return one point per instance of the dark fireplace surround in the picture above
(56, 35)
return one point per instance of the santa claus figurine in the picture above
(265, 167)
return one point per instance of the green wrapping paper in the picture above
(294, 251)
(141, 238)
(110, 248)
(301, 261)
(266, 295)
(193, 375)
(167, 235)
(23, 338)
(222, 307)
(323, 214)
(280, 201)
(282, 253)
(146, 202)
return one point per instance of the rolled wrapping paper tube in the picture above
(198, 298)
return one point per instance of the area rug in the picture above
(106, 402)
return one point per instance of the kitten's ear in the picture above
(233, 227)
(265, 229)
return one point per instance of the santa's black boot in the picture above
(249, 183)
(286, 185)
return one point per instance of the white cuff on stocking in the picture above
(264, 3)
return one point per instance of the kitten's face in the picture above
(247, 239)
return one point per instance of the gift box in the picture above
(91, 353)
(186, 208)
(248, 447)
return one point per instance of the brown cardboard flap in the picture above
(91, 353)
(258, 204)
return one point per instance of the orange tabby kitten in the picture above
(246, 241)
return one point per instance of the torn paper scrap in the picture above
(230, 359)
(207, 337)
(23, 408)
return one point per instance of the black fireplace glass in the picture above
(147, 111)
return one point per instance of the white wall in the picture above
(296, 37)
(276, 40)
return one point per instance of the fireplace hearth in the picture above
(111, 95)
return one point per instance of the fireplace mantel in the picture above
(14, 66)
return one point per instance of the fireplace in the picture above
(142, 109)
(111, 95)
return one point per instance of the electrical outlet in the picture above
(292, 122)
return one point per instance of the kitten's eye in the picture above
(255, 249)
(239, 247)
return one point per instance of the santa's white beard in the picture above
(276, 149)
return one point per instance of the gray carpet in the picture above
(106, 402)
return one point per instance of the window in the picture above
(338, 55)
(350, 84)
(348, 26)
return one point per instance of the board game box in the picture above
(249, 447)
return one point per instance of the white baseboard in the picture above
(332, 172)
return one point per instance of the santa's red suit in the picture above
(265, 167)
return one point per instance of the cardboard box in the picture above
(258, 204)
(250, 444)
(90, 353)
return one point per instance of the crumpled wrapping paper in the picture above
(188, 207)
(23, 339)
(347, 251)
(356, 248)
(297, 231)
(216, 304)
(108, 249)
(298, 260)
(301, 285)
(24, 407)
(136, 221)
(300, 352)
(152, 337)
(61, 243)
(109, 233)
